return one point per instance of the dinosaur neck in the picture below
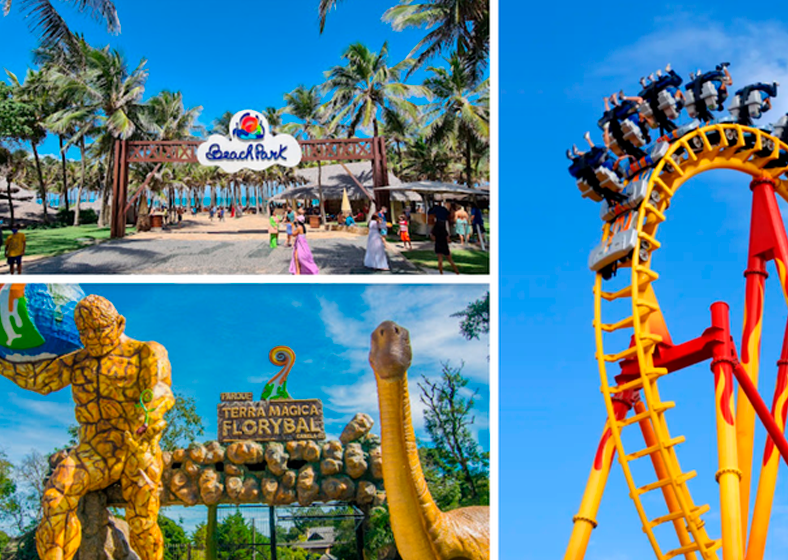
(413, 511)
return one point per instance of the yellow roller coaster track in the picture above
(731, 147)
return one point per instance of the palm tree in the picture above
(305, 104)
(164, 117)
(461, 26)
(461, 111)
(51, 26)
(110, 91)
(366, 86)
(425, 161)
(274, 117)
(77, 118)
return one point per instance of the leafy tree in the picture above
(19, 122)
(175, 539)
(475, 318)
(4, 539)
(184, 425)
(232, 534)
(13, 168)
(448, 418)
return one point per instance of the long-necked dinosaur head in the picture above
(390, 354)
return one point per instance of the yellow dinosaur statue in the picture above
(421, 530)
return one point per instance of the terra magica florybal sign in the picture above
(251, 145)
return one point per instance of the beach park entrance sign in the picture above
(251, 145)
(242, 419)
(278, 149)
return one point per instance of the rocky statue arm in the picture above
(42, 376)
(156, 377)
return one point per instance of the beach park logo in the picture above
(251, 145)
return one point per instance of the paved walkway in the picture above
(198, 246)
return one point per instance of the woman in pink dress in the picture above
(302, 261)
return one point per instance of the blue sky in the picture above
(242, 55)
(558, 60)
(218, 338)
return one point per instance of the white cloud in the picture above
(690, 44)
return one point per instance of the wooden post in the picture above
(211, 552)
(272, 528)
(113, 220)
(379, 173)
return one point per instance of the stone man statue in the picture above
(121, 388)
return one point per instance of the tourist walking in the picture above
(289, 223)
(273, 229)
(15, 247)
(211, 212)
(440, 236)
(404, 234)
(302, 261)
(375, 257)
(477, 222)
(462, 225)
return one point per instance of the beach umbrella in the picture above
(345, 202)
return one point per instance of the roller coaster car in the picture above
(632, 133)
(658, 151)
(635, 192)
(753, 105)
(780, 128)
(668, 104)
(621, 242)
(595, 179)
(708, 94)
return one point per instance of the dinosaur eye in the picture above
(396, 330)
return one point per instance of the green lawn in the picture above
(467, 261)
(57, 241)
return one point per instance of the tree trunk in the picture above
(468, 165)
(82, 182)
(65, 174)
(104, 219)
(10, 200)
(42, 188)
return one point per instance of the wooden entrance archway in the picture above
(185, 151)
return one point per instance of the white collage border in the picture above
(492, 280)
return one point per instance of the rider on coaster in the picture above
(593, 165)
(712, 86)
(751, 103)
(663, 100)
(622, 126)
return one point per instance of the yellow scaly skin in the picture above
(107, 378)
(421, 530)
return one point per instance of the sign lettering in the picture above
(279, 420)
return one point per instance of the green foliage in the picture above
(456, 454)
(232, 534)
(184, 425)
(175, 539)
(86, 216)
(475, 318)
(4, 540)
(18, 122)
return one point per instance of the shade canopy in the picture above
(435, 187)
(336, 181)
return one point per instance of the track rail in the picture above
(716, 146)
